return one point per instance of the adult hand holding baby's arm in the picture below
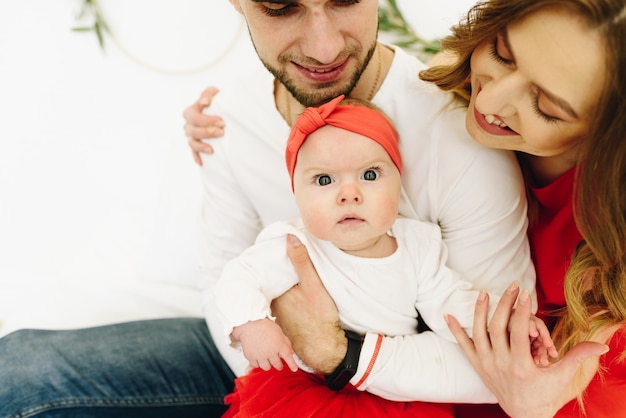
(500, 351)
(265, 345)
(308, 315)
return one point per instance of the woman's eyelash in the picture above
(542, 115)
(538, 111)
(493, 51)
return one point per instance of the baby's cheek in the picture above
(317, 223)
(388, 210)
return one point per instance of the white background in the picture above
(98, 191)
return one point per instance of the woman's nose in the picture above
(500, 95)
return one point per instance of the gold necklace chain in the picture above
(287, 98)
(378, 71)
(369, 97)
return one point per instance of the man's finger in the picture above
(301, 261)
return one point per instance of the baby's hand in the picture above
(541, 343)
(265, 345)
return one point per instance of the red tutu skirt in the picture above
(479, 410)
(285, 394)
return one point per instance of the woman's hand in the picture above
(308, 315)
(505, 363)
(199, 126)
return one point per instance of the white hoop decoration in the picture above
(172, 36)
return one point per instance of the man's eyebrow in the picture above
(566, 107)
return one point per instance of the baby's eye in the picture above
(323, 180)
(370, 175)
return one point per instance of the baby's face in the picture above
(347, 188)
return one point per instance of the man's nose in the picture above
(322, 39)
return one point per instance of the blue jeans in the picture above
(156, 368)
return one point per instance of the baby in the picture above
(385, 273)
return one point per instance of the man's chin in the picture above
(319, 98)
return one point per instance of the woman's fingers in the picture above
(499, 323)
(520, 328)
(464, 341)
(199, 126)
(206, 127)
(480, 333)
(196, 118)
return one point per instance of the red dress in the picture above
(285, 394)
(604, 397)
(552, 241)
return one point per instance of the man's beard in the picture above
(323, 92)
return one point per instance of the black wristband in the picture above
(338, 379)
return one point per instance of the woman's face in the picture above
(535, 86)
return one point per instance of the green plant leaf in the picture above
(91, 10)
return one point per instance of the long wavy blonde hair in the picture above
(595, 284)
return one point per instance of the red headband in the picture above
(358, 119)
